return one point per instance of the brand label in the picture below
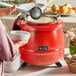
(43, 48)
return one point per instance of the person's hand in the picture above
(7, 11)
(19, 44)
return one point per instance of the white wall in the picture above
(61, 2)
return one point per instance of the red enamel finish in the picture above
(50, 35)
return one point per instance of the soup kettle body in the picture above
(46, 44)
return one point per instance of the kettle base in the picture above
(58, 64)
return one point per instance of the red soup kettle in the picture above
(46, 44)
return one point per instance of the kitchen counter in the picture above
(32, 70)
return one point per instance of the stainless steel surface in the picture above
(36, 13)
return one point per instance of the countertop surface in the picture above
(31, 70)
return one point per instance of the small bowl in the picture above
(12, 66)
(19, 35)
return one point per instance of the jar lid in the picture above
(43, 19)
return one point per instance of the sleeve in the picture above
(8, 51)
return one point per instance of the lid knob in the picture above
(35, 13)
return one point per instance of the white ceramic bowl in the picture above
(19, 35)
(12, 66)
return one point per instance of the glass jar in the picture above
(72, 48)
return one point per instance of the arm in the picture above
(7, 11)
(7, 48)
(8, 51)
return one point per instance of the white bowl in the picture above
(19, 35)
(12, 66)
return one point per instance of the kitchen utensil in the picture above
(36, 13)
(19, 35)
(35, 10)
(46, 43)
(29, 6)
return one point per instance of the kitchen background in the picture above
(8, 20)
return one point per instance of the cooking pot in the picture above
(46, 44)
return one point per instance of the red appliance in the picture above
(46, 44)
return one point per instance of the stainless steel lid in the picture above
(44, 19)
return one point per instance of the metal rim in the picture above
(56, 19)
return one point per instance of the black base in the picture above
(58, 64)
(24, 65)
